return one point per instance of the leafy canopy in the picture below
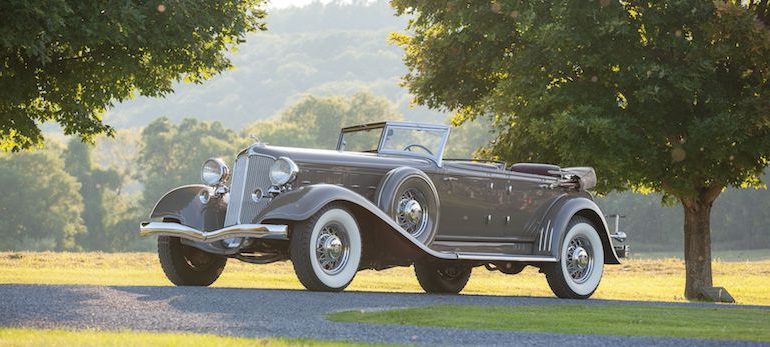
(670, 96)
(67, 61)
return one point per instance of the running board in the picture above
(505, 257)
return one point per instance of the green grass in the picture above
(623, 320)
(635, 279)
(46, 337)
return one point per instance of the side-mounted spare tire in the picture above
(409, 197)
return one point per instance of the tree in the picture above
(40, 205)
(667, 97)
(315, 121)
(95, 184)
(171, 155)
(67, 61)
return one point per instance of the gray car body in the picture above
(487, 212)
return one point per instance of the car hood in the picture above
(334, 157)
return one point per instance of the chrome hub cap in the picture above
(410, 212)
(332, 248)
(580, 259)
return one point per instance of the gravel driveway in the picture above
(289, 313)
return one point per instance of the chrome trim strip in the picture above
(550, 239)
(505, 257)
(242, 188)
(242, 230)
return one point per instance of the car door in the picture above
(522, 201)
(465, 198)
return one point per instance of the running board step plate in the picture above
(505, 257)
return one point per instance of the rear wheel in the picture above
(326, 249)
(581, 263)
(436, 277)
(188, 266)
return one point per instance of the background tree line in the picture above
(83, 197)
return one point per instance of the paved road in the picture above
(262, 313)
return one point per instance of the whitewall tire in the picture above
(326, 249)
(581, 261)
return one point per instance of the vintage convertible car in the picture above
(386, 197)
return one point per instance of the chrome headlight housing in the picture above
(214, 172)
(283, 171)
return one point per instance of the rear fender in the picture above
(553, 227)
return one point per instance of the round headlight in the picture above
(283, 171)
(214, 172)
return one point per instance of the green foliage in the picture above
(315, 122)
(40, 205)
(171, 155)
(661, 96)
(67, 61)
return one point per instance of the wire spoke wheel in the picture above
(326, 249)
(332, 248)
(410, 212)
(580, 259)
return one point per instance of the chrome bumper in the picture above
(260, 231)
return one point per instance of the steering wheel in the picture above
(409, 148)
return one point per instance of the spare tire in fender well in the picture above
(408, 179)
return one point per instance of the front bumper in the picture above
(259, 231)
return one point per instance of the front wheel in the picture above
(188, 266)
(326, 249)
(435, 277)
(581, 263)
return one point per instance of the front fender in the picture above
(301, 204)
(555, 225)
(184, 205)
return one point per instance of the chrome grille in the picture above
(249, 173)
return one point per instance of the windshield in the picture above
(416, 140)
(366, 140)
(406, 139)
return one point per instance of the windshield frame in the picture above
(385, 126)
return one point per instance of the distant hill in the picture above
(317, 49)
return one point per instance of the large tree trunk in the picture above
(697, 242)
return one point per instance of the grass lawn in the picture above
(635, 279)
(624, 320)
(45, 337)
